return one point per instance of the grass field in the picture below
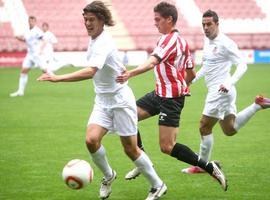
(43, 130)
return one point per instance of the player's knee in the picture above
(230, 132)
(132, 152)
(92, 144)
(204, 130)
(90, 141)
(129, 151)
(164, 148)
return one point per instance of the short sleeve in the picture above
(97, 56)
(165, 46)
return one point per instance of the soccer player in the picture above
(47, 49)
(173, 67)
(32, 38)
(115, 105)
(219, 54)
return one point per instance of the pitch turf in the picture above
(43, 130)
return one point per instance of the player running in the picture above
(219, 54)
(114, 102)
(174, 70)
(32, 38)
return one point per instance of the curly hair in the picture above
(101, 11)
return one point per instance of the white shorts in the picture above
(219, 105)
(31, 61)
(116, 112)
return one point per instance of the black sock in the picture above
(185, 154)
(208, 167)
(139, 141)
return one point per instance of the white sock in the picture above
(206, 146)
(23, 82)
(100, 159)
(243, 116)
(146, 167)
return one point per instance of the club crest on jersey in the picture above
(215, 50)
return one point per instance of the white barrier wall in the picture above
(131, 58)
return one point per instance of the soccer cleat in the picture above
(106, 186)
(133, 174)
(219, 175)
(192, 170)
(262, 101)
(16, 94)
(156, 193)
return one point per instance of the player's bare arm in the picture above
(20, 38)
(190, 75)
(148, 65)
(86, 73)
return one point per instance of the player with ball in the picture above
(115, 107)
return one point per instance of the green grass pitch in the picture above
(43, 130)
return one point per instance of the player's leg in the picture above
(94, 136)
(227, 125)
(216, 107)
(95, 132)
(233, 122)
(23, 79)
(169, 117)
(128, 133)
(134, 173)
(144, 164)
(146, 107)
(183, 153)
(246, 114)
(142, 115)
(207, 140)
(206, 145)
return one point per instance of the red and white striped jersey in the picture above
(174, 56)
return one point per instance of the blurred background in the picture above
(247, 22)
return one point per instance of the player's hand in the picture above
(123, 77)
(20, 38)
(48, 77)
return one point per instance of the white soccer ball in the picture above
(77, 174)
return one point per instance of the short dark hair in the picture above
(166, 9)
(101, 11)
(45, 24)
(211, 13)
(32, 17)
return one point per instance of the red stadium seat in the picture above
(136, 19)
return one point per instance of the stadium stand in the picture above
(138, 19)
(232, 9)
(65, 19)
(135, 28)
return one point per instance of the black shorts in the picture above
(169, 109)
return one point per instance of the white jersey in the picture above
(218, 57)
(50, 39)
(103, 54)
(33, 40)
